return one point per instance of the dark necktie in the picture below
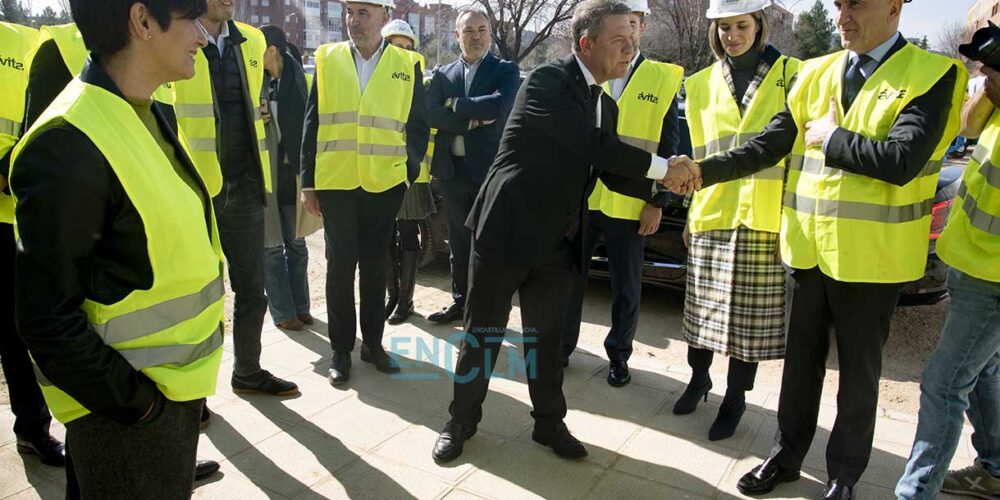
(854, 80)
(595, 97)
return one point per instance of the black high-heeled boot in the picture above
(697, 389)
(734, 405)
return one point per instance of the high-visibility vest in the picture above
(425, 164)
(309, 81)
(856, 228)
(172, 332)
(15, 43)
(197, 111)
(69, 41)
(641, 107)
(717, 126)
(970, 242)
(361, 140)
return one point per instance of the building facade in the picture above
(982, 11)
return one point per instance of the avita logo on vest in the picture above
(399, 75)
(648, 97)
(887, 94)
(11, 63)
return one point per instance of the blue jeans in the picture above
(963, 375)
(285, 271)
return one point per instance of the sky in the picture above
(921, 17)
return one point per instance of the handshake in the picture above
(683, 175)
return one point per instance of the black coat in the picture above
(491, 96)
(543, 173)
(291, 100)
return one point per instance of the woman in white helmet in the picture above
(418, 204)
(735, 299)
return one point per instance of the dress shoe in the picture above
(294, 324)
(205, 468)
(378, 357)
(728, 419)
(340, 367)
(618, 375)
(451, 313)
(561, 442)
(451, 440)
(407, 283)
(763, 478)
(265, 383)
(688, 401)
(206, 418)
(48, 449)
(837, 491)
(306, 318)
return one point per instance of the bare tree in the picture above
(950, 37)
(521, 26)
(678, 33)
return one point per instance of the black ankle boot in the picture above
(696, 390)
(734, 405)
(407, 282)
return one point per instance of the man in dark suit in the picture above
(529, 217)
(468, 102)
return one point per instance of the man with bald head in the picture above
(866, 129)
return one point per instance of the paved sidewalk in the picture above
(373, 437)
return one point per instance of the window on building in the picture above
(254, 19)
(414, 19)
(265, 19)
(996, 7)
(265, 3)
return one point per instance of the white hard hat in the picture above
(717, 9)
(381, 3)
(399, 27)
(638, 5)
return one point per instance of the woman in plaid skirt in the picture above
(735, 302)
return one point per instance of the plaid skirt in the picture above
(735, 299)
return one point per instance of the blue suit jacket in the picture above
(491, 97)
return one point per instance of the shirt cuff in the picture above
(657, 168)
(826, 140)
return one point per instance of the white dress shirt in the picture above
(657, 165)
(366, 67)
(220, 42)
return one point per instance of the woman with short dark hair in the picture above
(120, 287)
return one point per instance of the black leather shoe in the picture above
(451, 313)
(340, 368)
(561, 442)
(205, 468)
(728, 419)
(206, 417)
(48, 449)
(688, 401)
(837, 491)
(379, 358)
(618, 375)
(265, 383)
(451, 440)
(764, 478)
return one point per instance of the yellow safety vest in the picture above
(69, 41)
(856, 228)
(717, 126)
(971, 240)
(196, 111)
(361, 140)
(15, 43)
(309, 81)
(425, 165)
(172, 332)
(641, 107)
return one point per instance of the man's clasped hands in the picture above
(683, 175)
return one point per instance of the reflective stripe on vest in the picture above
(361, 140)
(172, 331)
(970, 242)
(717, 125)
(856, 228)
(641, 107)
(196, 110)
(15, 43)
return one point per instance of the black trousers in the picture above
(859, 314)
(358, 226)
(31, 415)
(459, 193)
(741, 374)
(544, 296)
(625, 247)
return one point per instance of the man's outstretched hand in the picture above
(683, 176)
